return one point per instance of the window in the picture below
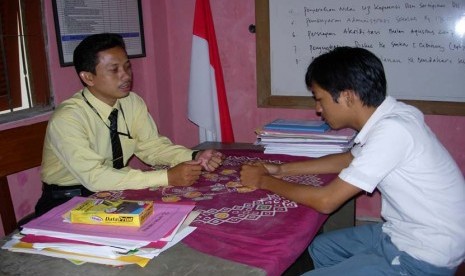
(24, 79)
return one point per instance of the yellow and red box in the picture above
(112, 212)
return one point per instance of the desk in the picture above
(248, 232)
(178, 260)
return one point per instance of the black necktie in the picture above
(115, 142)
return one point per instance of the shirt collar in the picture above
(102, 108)
(386, 106)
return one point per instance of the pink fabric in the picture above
(257, 228)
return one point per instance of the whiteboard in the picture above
(421, 49)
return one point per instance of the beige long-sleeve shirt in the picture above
(77, 147)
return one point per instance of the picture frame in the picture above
(74, 22)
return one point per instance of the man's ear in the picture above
(87, 78)
(348, 97)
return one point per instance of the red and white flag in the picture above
(208, 105)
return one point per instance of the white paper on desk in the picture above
(190, 218)
(147, 253)
(266, 140)
(96, 251)
(119, 243)
(183, 231)
(314, 154)
(63, 255)
(184, 223)
(9, 245)
(151, 253)
(111, 252)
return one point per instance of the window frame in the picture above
(35, 52)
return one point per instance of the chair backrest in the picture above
(20, 149)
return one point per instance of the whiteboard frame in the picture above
(267, 100)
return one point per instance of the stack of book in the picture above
(312, 138)
(53, 234)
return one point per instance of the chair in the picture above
(21, 149)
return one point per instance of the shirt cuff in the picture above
(158, 178)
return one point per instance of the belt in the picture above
(62, 192)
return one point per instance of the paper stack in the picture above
(51, 235)
(312, 138)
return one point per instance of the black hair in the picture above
(85, 56)
(347, 68)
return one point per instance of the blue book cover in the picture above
(297, 125)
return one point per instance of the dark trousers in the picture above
(54, 195)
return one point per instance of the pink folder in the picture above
(164, 219)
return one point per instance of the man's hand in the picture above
(251, 174)
(184, 174)
(210, 159)
(273, 169)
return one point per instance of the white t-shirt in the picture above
(422, 188)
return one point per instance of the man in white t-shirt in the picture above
(422, 188)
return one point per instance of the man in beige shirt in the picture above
(78, 156)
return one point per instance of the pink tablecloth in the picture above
(256, 228)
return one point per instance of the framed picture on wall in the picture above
(75, 20)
